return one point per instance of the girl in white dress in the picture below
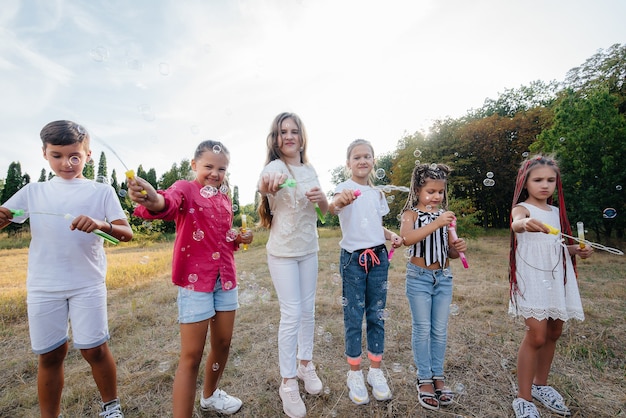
(544, 290)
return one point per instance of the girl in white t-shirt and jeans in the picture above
(364, 264)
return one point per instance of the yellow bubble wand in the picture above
(582, 241)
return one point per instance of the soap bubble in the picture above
(99, 54)
(215, 255)
(208, 191)
(562, 139)
(164, 68)
(548, 284)
(74, 160)
(489, 174)
(417, 153)
(397, 368)
(383, 314)
(454, 309)
(380, 173)
(122, 193)
(215, 367)
(489, 182)
(198, 235)
(328, 337)
(192, 278)
(618, 187)
(217, 149)
(609, 213)
(335, 279)
(231, 235)
(525, 154)
(144, 260)
(459, 388)
(163, 366)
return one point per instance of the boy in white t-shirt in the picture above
(67, 265)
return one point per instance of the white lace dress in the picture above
(540, 274)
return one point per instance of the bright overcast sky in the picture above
(154, 78)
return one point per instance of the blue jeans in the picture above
(429, 293)
(365, 293)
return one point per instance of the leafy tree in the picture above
(236, 208)
(114, 182)
(88, 171)
(102, 169)
(524, 98)
(589, 139)
(42, 176)
(151, 177)
(13, 182)
(604, 70)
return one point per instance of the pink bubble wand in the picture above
(452, 231)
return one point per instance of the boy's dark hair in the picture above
(64, 132)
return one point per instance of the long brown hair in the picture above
(274, 153)
(520, 195)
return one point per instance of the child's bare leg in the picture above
(103, 369)
(192, 338)
(50, 378)
(546, 353)
(528, 354)
(221, 334)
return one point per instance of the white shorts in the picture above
(50, 313)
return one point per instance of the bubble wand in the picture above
(452, 231)
(582, 241)
(130, 174)
(581, 234)
(244, 227)
(109, 238)
(292, 183)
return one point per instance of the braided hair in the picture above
(422, 173)
(520, 195)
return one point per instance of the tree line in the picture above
(580, 120)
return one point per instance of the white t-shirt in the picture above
(294, 223)
(362, 220)
(59, 258)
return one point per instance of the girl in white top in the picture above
(290, 214)
(544, 290)
(364, 264)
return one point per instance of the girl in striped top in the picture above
(424, 229)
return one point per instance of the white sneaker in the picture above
(292, 402)
(525, 409)
(358, 391)
(551, 399)
(380, 389)
(112, 409)
(220, 402)
(312, 383)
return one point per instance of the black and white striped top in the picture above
(435, 246)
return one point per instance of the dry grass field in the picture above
(589, 368)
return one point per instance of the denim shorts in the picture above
(198, 306)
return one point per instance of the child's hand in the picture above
(534, 225)
(245, 237)
(87, 224)
(460, 245)
(396, 241)
(315, 195)
(270, 182)
(446, 218)
(581, 252)
(139, 190)
(5, 217)
(343, 199)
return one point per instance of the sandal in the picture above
(423, 397)
(444, 394)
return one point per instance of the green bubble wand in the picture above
(292, 183)
(109, 238)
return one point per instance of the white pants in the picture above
(295, 281)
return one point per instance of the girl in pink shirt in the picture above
(203, 267)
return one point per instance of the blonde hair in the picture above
(351, 147)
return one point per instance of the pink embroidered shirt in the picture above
(204, 247)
